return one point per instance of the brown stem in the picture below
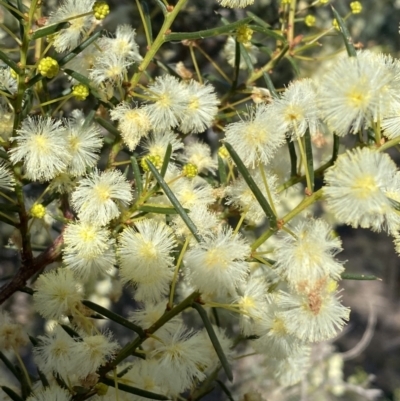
(26, 271)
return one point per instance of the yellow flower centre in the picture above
(41, 144)
(74, 143)
(187, 197)
(164, 101)
(246, 304)
(194, 104)
(87, 234)
(364, 187)
(114, 71)
(293, 114)
(278, 327)
(148, 251)
(102, 192)
(137, 117)
(254, 136)
(215, 259)
(77, 24)
(357, 98)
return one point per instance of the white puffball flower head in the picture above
(123, 44)
(12, 335)
(133, 122)
(88, 250)
(51, 393)
(309, 256)
(201, 109)
(257, 137)
(110, 68)
(235, 3)
(145, 259)
(182, 355)
(71, 37)
(217, 265)
(99, 197)
(356, 188)
(43, 147)
(296, 110)
(6, 177)
(357, 91)
(57, 294)
(92, 352)
(53, 353)
(84, 142)
(168, 101)
(314, 315)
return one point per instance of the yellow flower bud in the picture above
(309, 20)
(356, 7)
(190, 170)
(100, 10)
(48, 67)
(80, 92)
(335, 24)
(223, 152)
(38, 211)
(101, 389)
(156, 160)
(244, 34)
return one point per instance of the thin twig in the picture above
(26, 271)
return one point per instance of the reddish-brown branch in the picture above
(26, 271)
